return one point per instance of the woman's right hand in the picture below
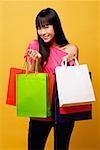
(34, 55)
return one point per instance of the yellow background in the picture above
(80, 21)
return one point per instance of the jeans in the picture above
(39, 130)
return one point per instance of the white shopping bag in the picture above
(74, 84)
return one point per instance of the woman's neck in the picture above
(53, 43)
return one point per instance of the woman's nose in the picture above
(43, 31)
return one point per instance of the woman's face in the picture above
(46, 33)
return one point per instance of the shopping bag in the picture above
(32, 95)
(51, 80)
(74, 85)
(11, 90)
(84, 110)
(70, 113)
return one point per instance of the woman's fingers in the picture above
(72, 52)
(31, 52)
(69, 57)
(34, 54)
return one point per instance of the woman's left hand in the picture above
(72, 52)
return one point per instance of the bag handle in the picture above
(64, 63)
(36, 66)
(26, 66)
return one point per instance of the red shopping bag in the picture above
(75, 109)
(51, 79)
(11, 91)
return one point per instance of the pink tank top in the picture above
(55, 57)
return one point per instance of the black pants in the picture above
(39, 130)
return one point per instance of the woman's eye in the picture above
(46, 26)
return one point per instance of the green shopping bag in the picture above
(32, 95)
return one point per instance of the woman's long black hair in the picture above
(49, 16)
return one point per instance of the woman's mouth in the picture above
(45, 37)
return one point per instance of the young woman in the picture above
(50, 49)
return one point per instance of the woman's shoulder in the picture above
(69, 47)
(72, 46)
(33, 44)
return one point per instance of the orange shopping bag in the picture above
(11, 91)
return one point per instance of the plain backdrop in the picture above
(80, 21)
